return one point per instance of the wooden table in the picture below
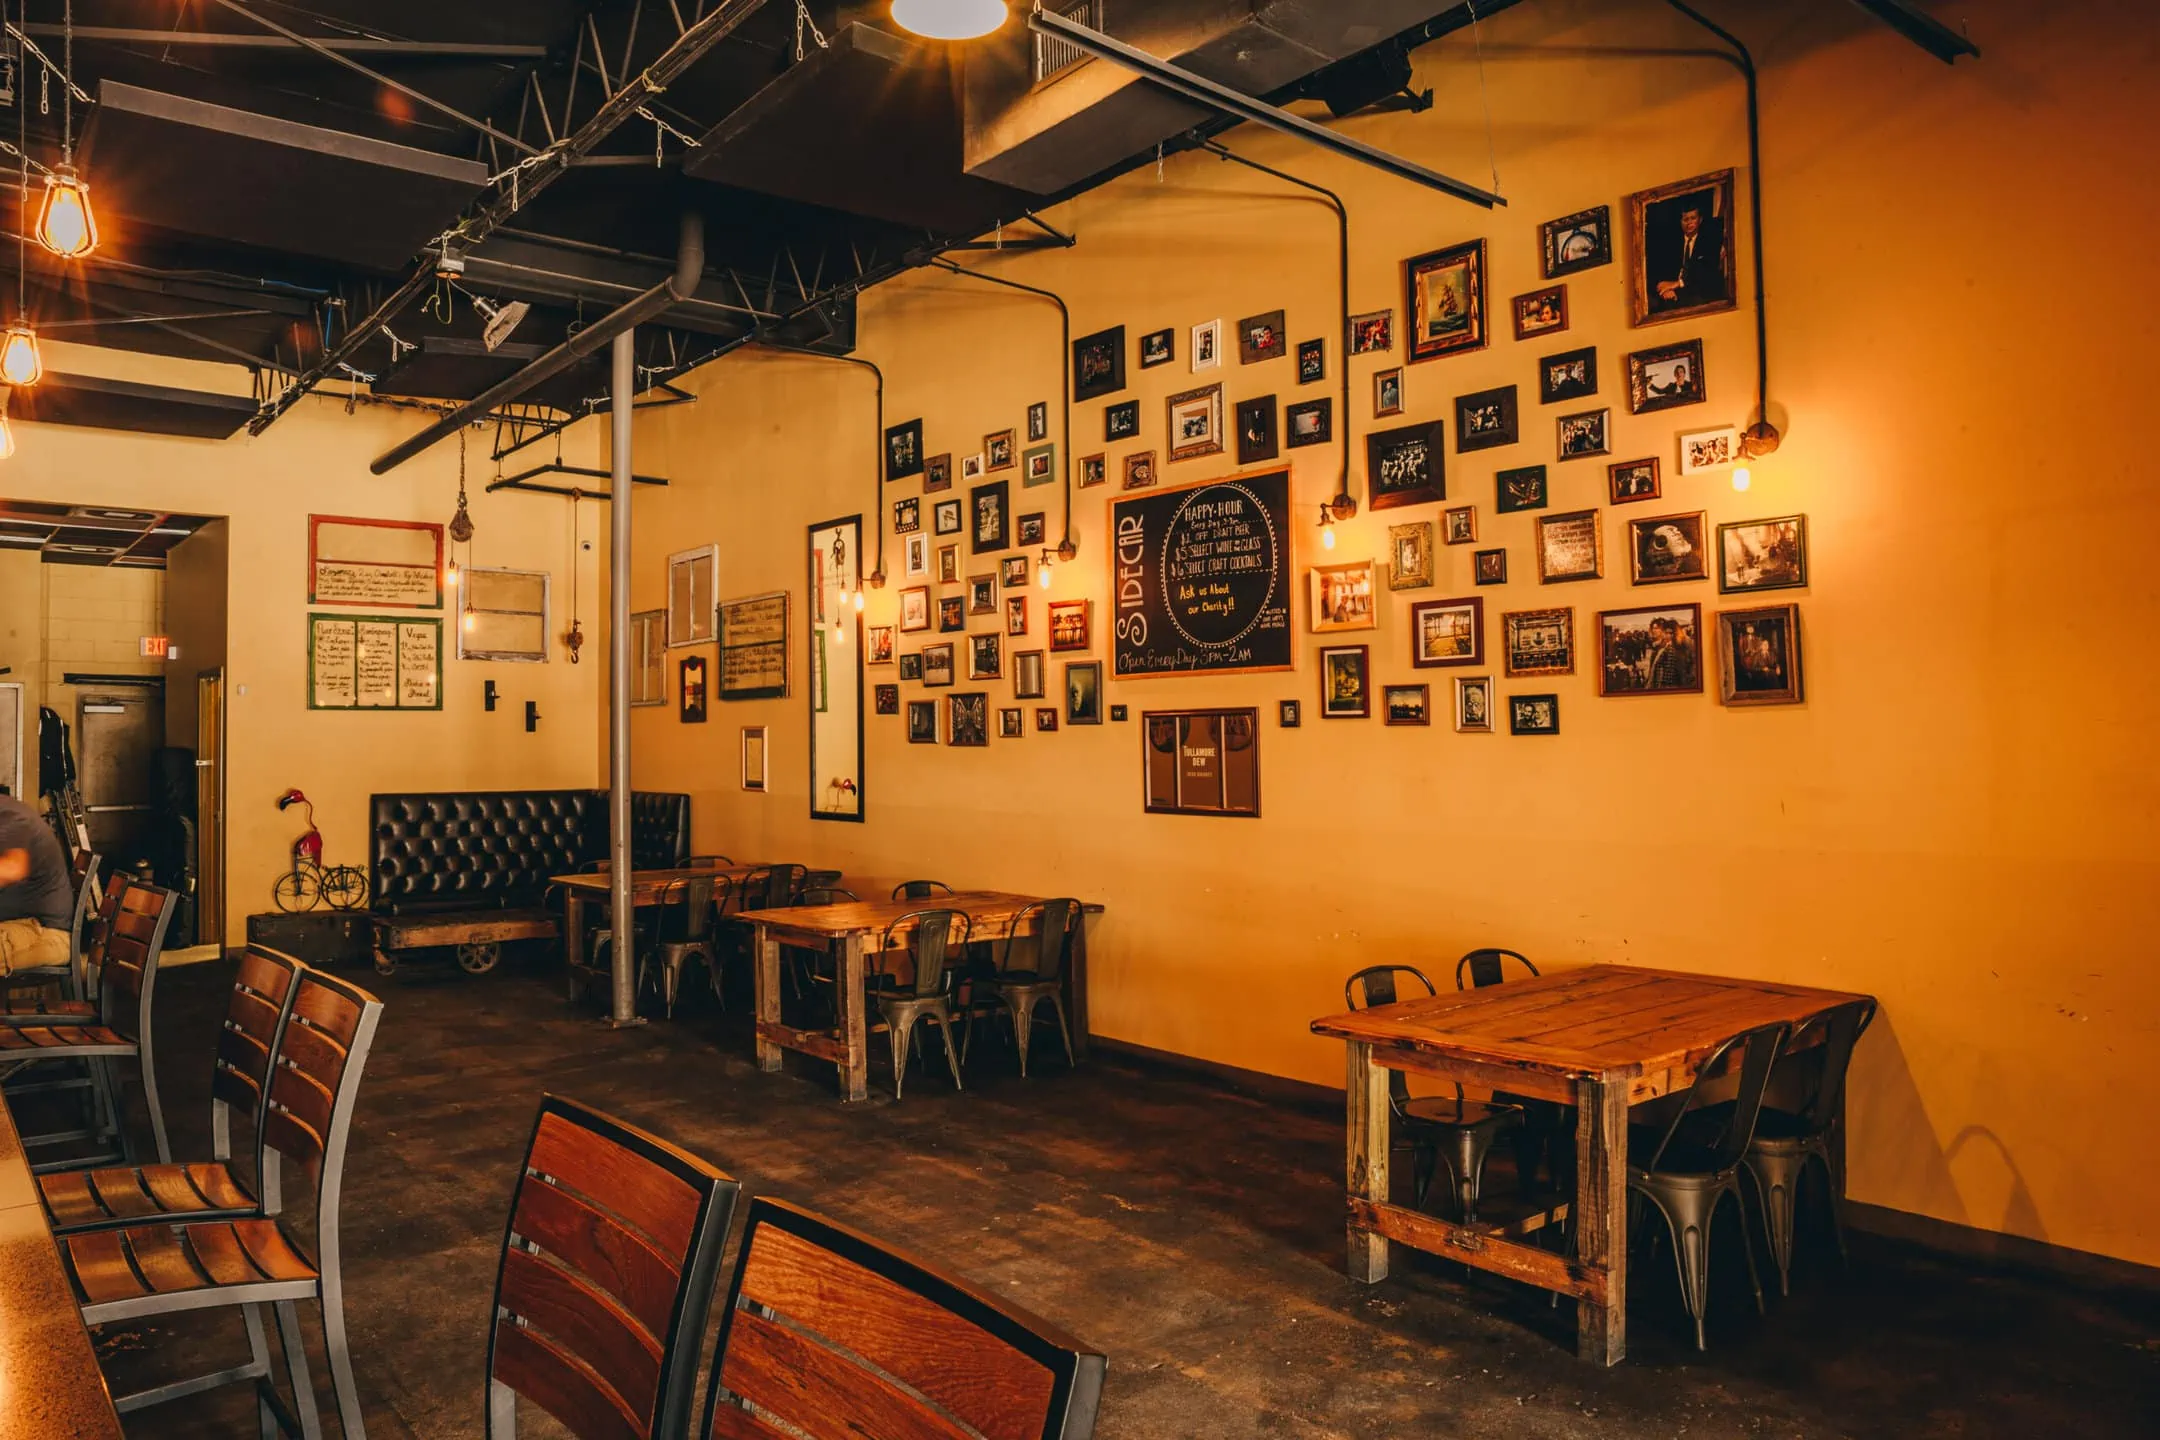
(1601, 1039)
(847, 932)
(50, 1384)
(647, 888)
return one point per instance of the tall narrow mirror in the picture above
(835, 669)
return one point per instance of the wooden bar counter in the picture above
(50, 1384)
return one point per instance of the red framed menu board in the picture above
(396, 564)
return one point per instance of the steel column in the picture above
(623, 915)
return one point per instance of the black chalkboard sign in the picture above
(1200, 578)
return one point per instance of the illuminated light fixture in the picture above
(1327, 527)
(949, 19)
(66, 225)
(469, 619)
(20, 362)
(7, 437)
(1741, 478)
(858, 601)
(1042, 570)
(450, 572)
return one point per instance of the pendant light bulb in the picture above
(468, 621)
(66, 225)
(20, 363)
(1741, 478)
(450, 573)
(949, 19)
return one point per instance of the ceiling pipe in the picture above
(225, 39)
(689, 269)
(1921, 28)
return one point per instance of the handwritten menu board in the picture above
(374, 662)
(753, 647)
(1200, 579)
(397, 563)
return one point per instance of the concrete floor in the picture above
(1193, 1235)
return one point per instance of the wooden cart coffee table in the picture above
(1601, 1039)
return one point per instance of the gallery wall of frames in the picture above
(1560, 683)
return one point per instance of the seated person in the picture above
(37, 893)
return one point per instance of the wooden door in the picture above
(210, 808)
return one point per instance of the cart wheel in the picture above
(345, 887)
(478, 959)
(384, 964)
(296, 891)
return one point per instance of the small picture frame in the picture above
(937, 473)
(1650, 650)
(911, 665)
(887, 699)
(1706, 450)
(690, 692)
(1289, 714)
(1570, 547)
(1016, 614)
(1444, 301)
(1013, 569)
(1473, 704)
(1538, 642)
(1194, 423)
(1206, 345)
(903, 450)
(1485, 419)
(1585, 435)
(755, 757)
(1032, 528)
(907, 515)
(945, 517)
(1666, 377)
(1098, 365)
(1068, 625)
(1028, 674)
(1569, 375)
(1046, 719)
(1533, 714)
(1311, 361)
(1340, 597)
(1680, 249)
(1762, 555)
(1309, 422)
(1582, 241)
(986, 657)
(937, 665)
(951, 614)
(1387, 388)
(1121, 421)
(1759, 656)
(967, 720)
(1083, 692)
(1038, 421)
(1663, 549)
(1541, 312)
(1257, 440)
(1345, 682)
(1000, 451)
(971, 467)
(1406, 465)
(1094, 470)
(1488, 567)
(1262, 337)
(1038, 466)
(1410, 556)
(917, 551)
(1522, 488)
(1117, 714)
(1447, 632)
(914, 609)
(982, 595)
(989, 504)
(1140, 471)
(1406, 704)
(922, 722)
(878, 644)
(1458, 525)
(1010, 726)
(1630, 480)
(1157, 347)
(1372, 332)
(948, 565)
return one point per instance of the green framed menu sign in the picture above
(374, 662)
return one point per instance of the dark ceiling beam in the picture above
(1921, 28)
(401, 49)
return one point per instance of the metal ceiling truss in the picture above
(1923, 29)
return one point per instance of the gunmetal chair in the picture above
(816, 880)
(828, 895)
(1460, 1131)
(928, 994)
(683, 932)
(827, 1331)
(1039, 973)
(920, 889)
(1785, 1140)
(255, 1016)
(1547, 1134)
(153, 1268)
(1684, 1170)
(606, 1278)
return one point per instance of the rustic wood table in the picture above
(647, 888)
(848, 932)
(1600, 1038)
(53, 1386)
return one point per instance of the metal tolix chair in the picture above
(928, 995)
(1039, 974)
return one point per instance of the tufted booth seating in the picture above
(470, 868)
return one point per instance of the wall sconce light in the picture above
(1327, 527)
(1042, 568)
(20, 362)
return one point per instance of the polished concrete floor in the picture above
(1192, 1234)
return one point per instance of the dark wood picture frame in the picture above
(1424, 340)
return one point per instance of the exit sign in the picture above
(157, 647)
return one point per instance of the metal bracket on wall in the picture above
(488, 696)
(526, 480)
(532, 716)
(1921, 28)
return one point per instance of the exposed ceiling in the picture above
(94, 534)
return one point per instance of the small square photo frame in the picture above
(1702, 451)
(1157, 347)
(1485, 419)
(1763, 555)
(914, 609)
(887, 699)
(1410, 556)
(1523, 488)
(1094, 470)
(1262, 337)
(1406, 704)
(1206, 345)
(1473, 704)
(937, 473)
(1387, 386)
(1311, 362)
(1541, 312)
(1488, 567)
(1372, 332)
(1098, 365)
(1538, 642)
(1582, 241)
(1046, 719)
(1663, 549)
(1032, 528)
(1569, 375)
(1289, 714)
(1628, 481)
(1665, 378)
(1140, 471)
(1533, 714)
(1038, 465)
(1121, 421)
(1447, 632)
(922, 722)
(1570, 547)
(1345, 682)
(1068, 626)
(903, 450)
(1585, 435)
(1458, 525)
(1759, 656)
(1000, 450)
(1257, 437)
(1309, 422)
(1010, 723)
(1193, 423)
(982, 594)
(1341, 597)
(971, 466)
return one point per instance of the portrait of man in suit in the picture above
(1684, 249)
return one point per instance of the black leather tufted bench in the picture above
(470, 867)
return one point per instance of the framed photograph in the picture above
(1262, 337)
(1485, 419)
(1448, 632)
(937, 664)
(915, 608)
(1680, 254)
(1387, 392)
(1310, 422)
(1027, 675)
(1541, 312)
(1256, 437)
(1444, 300)
(1016, 612)
(1121, 421)
(754, 757)
(1533, 714)
(1340, 597)
(1585, 435)
(922, 722)
(937, 473)
(1195, 423)
(1372, 332)
(1033, 528)
(1140, 470)
(1759, 656)
(986, 657)
(1489, 567)
(1631, 480)
(1157, 347)
(1206, 345)
(988, 503)
(1406, 704)
(1410, 556)
(1520, 489)
(1000, 451)
(911, 665)
(1098, 365)
(906, 516)
(1650, 651)
(878, 644)
(1459, 525)
(1289, 714)
(1664, 548)
(1039, 465)
(917, 551)
(945, 517)
(1345, 682)
(1570, 546)
(951, 614)
(1582, 241)
(1406, 466)
(1311, 362)
(1046, 719)
(1665, 377)
(948, 564)
(693, 603)
(1068, 625)
(1539, 642)
(1083, 692)
(1094, 470)
(1570, 375)
(982, 595)
(971, 466)
(1715, 449)
(1009, 723)
(1038, 421)
(1762, 554)
(690, 675)
(887, 699)
(648, 657)
(1117, 714)
(967, 719)
(1013, 569)
(903, 450)
(1473, 704)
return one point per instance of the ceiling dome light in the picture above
(949, 19)
(20, 363)
(65, 225)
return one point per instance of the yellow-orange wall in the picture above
(1960, 820)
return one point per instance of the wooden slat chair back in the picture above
(827, 1332)
(87, 895)
(606, 1279)
(127, 978)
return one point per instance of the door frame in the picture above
(209, 926)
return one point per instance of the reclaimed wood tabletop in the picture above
(54, 1385)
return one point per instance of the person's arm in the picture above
(14, 867)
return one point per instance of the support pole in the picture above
(622, 914)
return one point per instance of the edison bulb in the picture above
(66, 225)
(1042, 576)
(858, 602)
(450, 573)
(1327, 537)
(1741, 479)
(20, 362)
